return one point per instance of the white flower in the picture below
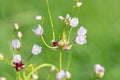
(39, 30)
(19, 34)
(38, 17)
(36, 49)
(67, 75)
(81, 40)
(99, 70)
(17, 58)
(16, 26)
(2, 78)
(60, 17)
(35, 76)
(60, 75)
(74, 22)
(78, 4)
(16, 44)
(67, 16)
(82, 31)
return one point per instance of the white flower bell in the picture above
(74, 22)
(36, 49)
(17, 58)
(16, 44)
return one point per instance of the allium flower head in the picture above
(16, 44)
(39, 30)
(81, 40)
(60, 75)
(67, 75)
(38, 17)
(36, 49)
(74, 22)
(99, 70)
(82, 31)
(17, 58)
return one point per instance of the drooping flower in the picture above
(81, 40)
(19, 34)
(17, 61)
(52, 69)
(39, 30)
(78, 4)
(36, 49)
(60, 75)
(82, 31)
(67, 75)
(74, 22)
(16, 44)
(38, 17)
(99, 70)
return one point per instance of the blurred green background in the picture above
(100, 17)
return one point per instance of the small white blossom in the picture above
(1, 57)
(35, 76)
(78, 4)
(67, 75)
(60, 75)
(16, 26)
(52, 69)
(82, 31)
(99, 70)
(60, 17)
(38, 17)
(39, 30)
(19, 34)
(2, 78)
(74, 22)
(17, 58)
(81, 40)
(16, 44)
(36, 49)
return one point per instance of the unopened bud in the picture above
(78, 4)
(19, 34)
(38, 17)
(16, 26)
(1, 57)
(2, 78)
(35, 76)
(60, 17)
(52, 69)
(67, 75)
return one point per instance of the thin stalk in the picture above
(39, 67)
(19, 77)
(29, 58)
(46, 43)
(69, 34)
(50, 17)
(60, 60)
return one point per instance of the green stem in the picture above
(69, 34)
(50, 17)
(29, 58)
(60, 60)
(46, 43)
(39, 67)
(19, 77)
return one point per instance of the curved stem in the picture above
(39, 67)
(60, 60)
(50, 17)
(46, 43)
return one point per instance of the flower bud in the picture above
(1, 57)
(2, 78)
(99, 70)
(67, 75)
(38, 17)
(52, 69)
(78, 4)
(60, 17)
(35, 76)
(20, 35)
(60, 75)
(16, 26)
